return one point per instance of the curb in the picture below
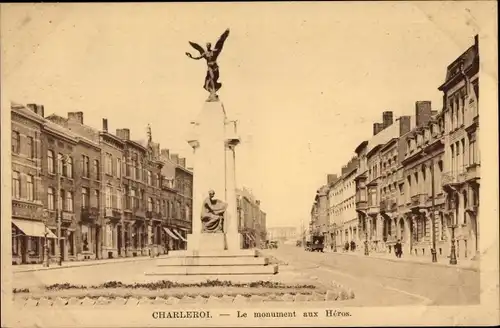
(326, 296)
(470, 268)
(83, 263)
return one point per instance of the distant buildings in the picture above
(416, 181)
(283, 233)
(252, 220)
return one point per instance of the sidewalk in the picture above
(467, 264)
(73, 264)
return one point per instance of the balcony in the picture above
(473, 172)
(361, 205)
(26, 209)
(140, 213)
(373, 209)
(89, 213)
(112, 213)
(453, 179)
(418, 201)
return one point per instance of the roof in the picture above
(469, 58)
(21, 109)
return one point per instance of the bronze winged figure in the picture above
(212, 84)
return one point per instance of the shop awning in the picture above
(33, 228)
(180, 236)
(170, 233)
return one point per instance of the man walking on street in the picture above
(398, 249)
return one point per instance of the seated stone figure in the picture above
(212, 214)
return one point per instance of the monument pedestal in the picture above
(213, 142)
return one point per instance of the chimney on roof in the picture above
(37, 109)
(105, 124)
(377, 127)
(123, 134)
(76, 117)
(387, 119)
(404, 125)
(165, 153)
(330, 178)
(175, 158)
(182, 162)
(423, 112)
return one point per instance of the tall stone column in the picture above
(208, 143)
(232, 234)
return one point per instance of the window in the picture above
(132, 201)
(158, 180)
(50, 161)
(150, 178)
(50, 199)
(31, 147)
(85, 166)
(150, 204)
(85, 197)
(60, 164)
(16, 142)
(30, 188)
(158, 207)
(118, 168)
(472, 151)
(69, 167)
(69, 202)
(16, 185)
(109, 197)
(119, 199)
(97, 198)
(108, 164)
(464, 159)
(96, 170)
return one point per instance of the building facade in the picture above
(251, 219)
(282, 233)
(341, 198)
(28, 222)
(423, 198)
(461, 179)
(112, 190)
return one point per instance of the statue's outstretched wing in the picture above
(220, 42)
(197, 47)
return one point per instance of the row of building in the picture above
(415, 180)
(116, 197)
(252, 219)
(102, 195)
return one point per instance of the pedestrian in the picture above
(398, 249)
(346, 247)
(353, 246)
(331, 247)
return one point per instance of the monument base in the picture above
(213, 259)
(213, 241)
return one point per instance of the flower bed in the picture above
(167, 284)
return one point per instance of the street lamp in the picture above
(433, 215)
(64, 160)
(453, 254)
(366, 236)
(45, 216)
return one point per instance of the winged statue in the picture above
(212, 84)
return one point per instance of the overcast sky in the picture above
(306, 82)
